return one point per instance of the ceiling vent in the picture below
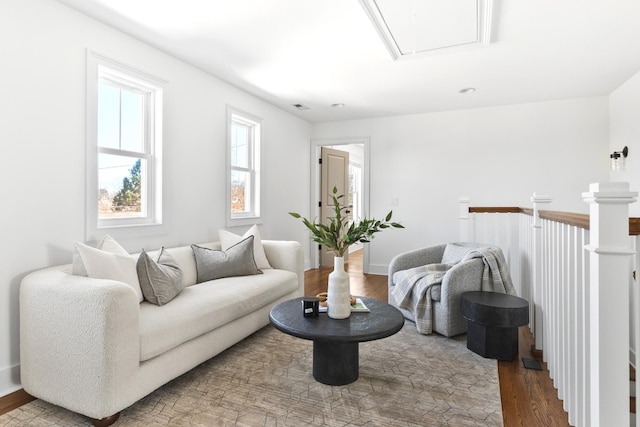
(417, 27)
(300, 106)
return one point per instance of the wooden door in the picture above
(334, 173)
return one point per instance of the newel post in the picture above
(466, 225)
(609, 249)
(536, 277)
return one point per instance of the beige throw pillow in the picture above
(228, 239)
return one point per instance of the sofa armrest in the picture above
(286, 255)
(415, 258)
(463, 277)
(79, 339)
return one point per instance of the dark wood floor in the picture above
(528, 396)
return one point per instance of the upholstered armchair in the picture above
(462, 277)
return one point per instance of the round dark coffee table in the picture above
(335, 342)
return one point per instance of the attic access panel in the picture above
(414, 27)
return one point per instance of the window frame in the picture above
(101, 69)
(255, 140)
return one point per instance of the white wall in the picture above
(42, 125)
(497, 156)
(624, 107)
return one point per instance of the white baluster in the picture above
(635, 318)
(537, 263)
(466, 225)
(609, 268)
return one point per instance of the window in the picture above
(243, 199)
(355, 191)
(124, 125)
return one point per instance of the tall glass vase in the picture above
(339, 291)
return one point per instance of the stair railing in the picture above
(575, 271)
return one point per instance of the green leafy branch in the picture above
(338, 234)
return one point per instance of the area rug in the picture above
(405, 380)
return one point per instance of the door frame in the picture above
(316, 144)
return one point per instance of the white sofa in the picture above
(90, 346)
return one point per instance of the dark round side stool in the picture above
(493, 319)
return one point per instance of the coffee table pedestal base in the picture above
(492, 342)
(335, 363)
(493, 319)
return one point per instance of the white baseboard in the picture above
(381, 269)
(10, 380)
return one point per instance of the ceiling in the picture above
(324, 52)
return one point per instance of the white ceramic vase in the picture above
(339, 291)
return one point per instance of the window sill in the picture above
(239, 222)
(126, 231)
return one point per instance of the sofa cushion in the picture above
(214, 264)
(100, 264)
(228, 239)
(203, 307)
(160, 279)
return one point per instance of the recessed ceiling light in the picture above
(467, 90)
(300, 106)
(338, 105)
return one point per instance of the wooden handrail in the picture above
(496, 209)
(574, 219)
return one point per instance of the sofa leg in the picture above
(107, 421)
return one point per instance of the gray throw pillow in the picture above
(235, 261)
(160, 280)
(453, 252)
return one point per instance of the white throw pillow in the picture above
(228, 239)
(101, 264)
(108, 244)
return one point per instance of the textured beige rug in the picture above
(405, 380)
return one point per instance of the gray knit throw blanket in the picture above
(413, 286)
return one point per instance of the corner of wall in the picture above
(10, 380)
